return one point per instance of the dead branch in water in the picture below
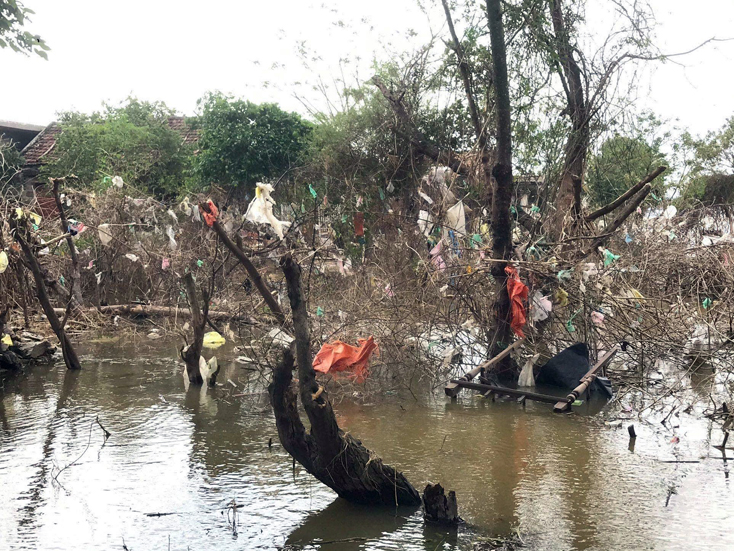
(70, 358)
(337, 459)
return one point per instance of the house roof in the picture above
(42, 148)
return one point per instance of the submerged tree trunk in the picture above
(335, 458)
(190, 354)
(70, 358)
(502, 172)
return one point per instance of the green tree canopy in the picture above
(134, 141)
(709, 165)
(242, 142)
(621, 162)
(13, 17)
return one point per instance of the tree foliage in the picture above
(242, 142)
(621, 162)
(134, 141)
(709, 165)
(13, 18)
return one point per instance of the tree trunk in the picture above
(502, 172)
(76, 284)
(438, 508)
(337, 459)
(568, 199)
(190, 354)
(70, 358)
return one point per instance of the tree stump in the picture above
(438, 508)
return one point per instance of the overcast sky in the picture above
(176, 50)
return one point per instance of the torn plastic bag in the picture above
(526, 375)
(518, 293)
(541, 307)
(260, 209)
(339, 356)
(171, 238)
(3, 261)
(212, 339)
(456, 219)
(105, 235)
(565, 370)
(359, 224)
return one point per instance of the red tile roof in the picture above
(42, 149)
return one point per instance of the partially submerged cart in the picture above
(560, 405)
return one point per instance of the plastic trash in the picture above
(319, 311)
(6, 340)
(609, 258)
(165, 263)
(706, 303)
(132, 257)
(117, 182)
(211, 216)
(561, 296)
(3, 261)
(280, 337)
(670, 212)
(312, 191)
(590, 270)
(339, 356)
(260, 210)
(437, 260)
(541, 307)
(518, 293)
(172, 215)
(105, 235)
(359, 224)
(597, 318)
(456, 218)
(212, 339)
(527, 378)
(171, 238)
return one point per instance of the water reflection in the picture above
(567, 482)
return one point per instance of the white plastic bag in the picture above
(527, 378)
(105, 235)
(260, 209)
(171, 238)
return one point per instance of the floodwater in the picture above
(177, 460)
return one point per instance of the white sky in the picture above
(176, 50)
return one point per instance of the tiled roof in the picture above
(189, 135)
(42, 149)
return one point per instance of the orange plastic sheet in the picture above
(518, 292)
(210, 217)
(338, 356)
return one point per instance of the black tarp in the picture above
(565, 370)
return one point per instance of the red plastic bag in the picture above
(338, 356)
(210, 217)
(518, 292)
(359, 224)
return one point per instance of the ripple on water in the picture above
(566, 482)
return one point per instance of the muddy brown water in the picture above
(565, 482)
